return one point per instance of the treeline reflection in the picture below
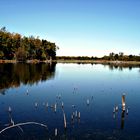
(114, 66)
(122, 66)
(12, 75)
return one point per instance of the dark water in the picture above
(27, 88)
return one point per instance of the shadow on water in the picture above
(12, 75)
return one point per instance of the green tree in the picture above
(21, 54)
(121, 56)
(12, 44)
(116, 56)
(111, 56)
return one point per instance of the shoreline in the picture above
(76, 61)
(97, 61)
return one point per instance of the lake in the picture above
(41, 95)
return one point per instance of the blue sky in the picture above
(78, 27)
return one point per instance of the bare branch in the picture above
(21, 124)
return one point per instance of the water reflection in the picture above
(121, 66)
(86, 93)
(12, 75)
(122, 119)
(115, 65)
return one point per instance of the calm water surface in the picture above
(28, 88)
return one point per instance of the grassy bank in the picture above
(78, 61)
(97, 61)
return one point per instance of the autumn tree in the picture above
(14, 46)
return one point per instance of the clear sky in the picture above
(78, 27)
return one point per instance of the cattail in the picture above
(127, 111)
(55, 131)
(36, 104)
(116, 108)
(76, 113)
(123, 102)
(65, 123)
(62, 104)
(9, 109)
(79, 115)
(73, 114)
(55, 107)
(72, 117)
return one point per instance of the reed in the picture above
(65, 123)
(123, 102)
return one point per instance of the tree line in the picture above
(121, 57)
(76, 58)
(14, 46)
(111, 57)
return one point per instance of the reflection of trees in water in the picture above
(3, 91)
(12, 75)
(122, 66)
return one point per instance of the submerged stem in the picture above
(21, 124)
